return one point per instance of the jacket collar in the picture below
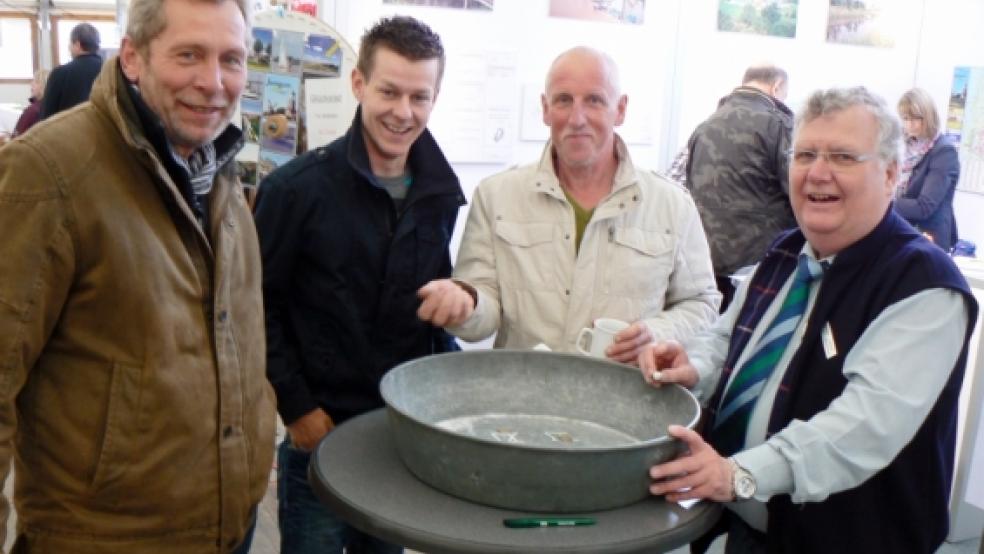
(752, 94)
(432, 174)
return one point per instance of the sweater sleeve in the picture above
(476, 266)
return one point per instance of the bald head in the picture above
(581, 56)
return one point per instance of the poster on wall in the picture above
(279, 124)
(956, 107)
(966, 118)
(868, 23)
(259, 55)
(474, 119)
(322, 57)
(613, 11)
(485, 5)
(775, 19)
(288, 52)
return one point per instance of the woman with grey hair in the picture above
(929, 171)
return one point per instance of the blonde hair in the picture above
(41, 78)
(918, 103)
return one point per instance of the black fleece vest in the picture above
(904, 507)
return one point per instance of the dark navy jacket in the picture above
(70, 84)
(904, 507)
(928, 201)
(341, 269)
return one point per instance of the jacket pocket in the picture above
(640, 264)
(525, 255)
(120, 433)
(433, 257)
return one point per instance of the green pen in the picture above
(530, 522)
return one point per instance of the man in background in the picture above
(736, 171)
(349, 232)
(833, 379)
(70, 84)
(581, 234)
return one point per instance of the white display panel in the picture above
(967, 496)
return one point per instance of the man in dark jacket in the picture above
(348, 233)
(833, 379)
(737, 173)
(70, 84)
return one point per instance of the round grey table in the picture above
(358, 474)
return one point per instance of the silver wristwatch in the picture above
(742, 482)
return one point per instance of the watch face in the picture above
(744, 485)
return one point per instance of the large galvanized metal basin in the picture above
(533, 431)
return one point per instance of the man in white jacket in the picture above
(581, 234)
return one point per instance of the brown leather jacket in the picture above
(132, 391)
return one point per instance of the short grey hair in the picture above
(768, 74)
(145, 20)
(826, 102)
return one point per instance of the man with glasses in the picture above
(736, 172)
(832, 395)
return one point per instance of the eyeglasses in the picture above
(836, 159)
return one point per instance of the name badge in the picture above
(829, 345)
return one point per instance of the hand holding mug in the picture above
(629, 343)
(594, 341)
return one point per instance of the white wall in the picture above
(15, 93)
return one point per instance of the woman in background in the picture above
(32, 113)
(929, 172)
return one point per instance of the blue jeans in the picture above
(243, 548)
(306, 525)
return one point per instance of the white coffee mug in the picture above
(595, 340)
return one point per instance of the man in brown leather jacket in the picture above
(133, 399)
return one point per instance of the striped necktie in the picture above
(731, 423)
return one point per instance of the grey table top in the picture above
(357, 472)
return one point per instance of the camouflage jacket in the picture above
(738, 176)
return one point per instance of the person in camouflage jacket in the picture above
(737, 172)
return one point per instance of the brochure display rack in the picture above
(298, 93)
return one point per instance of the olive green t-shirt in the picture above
(581, 219)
